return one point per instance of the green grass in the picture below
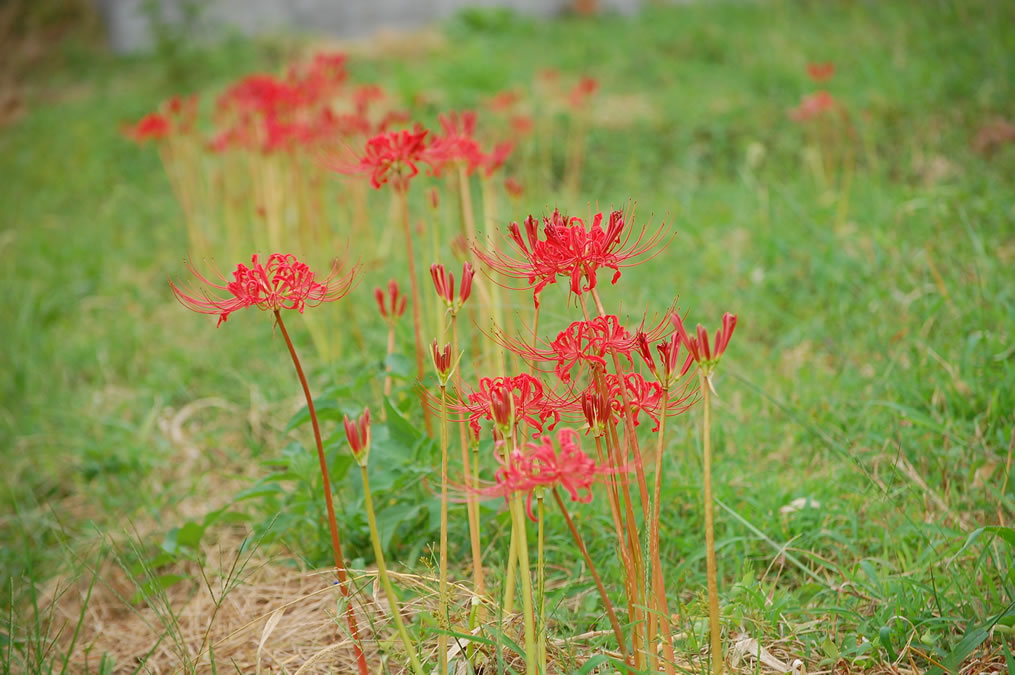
(872, 370)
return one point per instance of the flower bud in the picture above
(358, 434)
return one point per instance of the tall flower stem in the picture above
(336, 544)
(387, 373)
(531, 667)
(710, 566)
(471, 478)
(442, 640)
(540, 584)
(655, 560)
(403, 204)
(607, 605)
(382, 572)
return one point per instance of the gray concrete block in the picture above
(129, 29)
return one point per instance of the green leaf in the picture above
(1006, 533)
(391, 517)
(885, 635)
(398, 365)
(1008, 657)
(259, 490)
(326, 409)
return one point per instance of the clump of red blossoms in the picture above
(698, 346)
(392, 157)
(444, 283)
(507, 401)
(570, 248)
(548, 465)
(282, 283)
(812, 106)
(391, 304)
(820, 72)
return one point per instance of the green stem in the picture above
(382, 572)
(471, 472)
(531, 667)
(541, 584)
(442, 640)
(336, 543)
(710, 566)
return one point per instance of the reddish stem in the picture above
(595, 575)
(336, 544)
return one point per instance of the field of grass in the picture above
(870, 383)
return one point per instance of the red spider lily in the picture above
(596, 409)
(444, 282)
(669, 354)
(586, 87)
(282, 283)
(391, 157)
(456, 144)
(151, 127)
(392, 304)
(645, 396)
(441, 362)
(812, 106)
(358, 434)
(548, 465)
(503, 101)
(820, 72)
(514, 189)
(495, 159)
(507, 401)
(698, 346)
(581, 342)
(522, 125)
(570, 249)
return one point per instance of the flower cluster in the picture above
(570, 249)
(176, 116)
(283, 282)
(547, 465)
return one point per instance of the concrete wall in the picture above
(128, 26)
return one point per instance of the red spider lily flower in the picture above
(596, 409)
(698, 347)
(641, 342)
(514, 189)
(151, 127)
(441, 362)
(456, 144)
(522, 125)
(548, 465)
(392, 304)
(581, 342)
(505, 100)
(586, 87)
(507, 401)
(391, 157)
(669, 354)
(495, 159)
(812, 106)
(820, 72)
(570, 249)
(358, 434)
(282, 283)
(444, 282)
